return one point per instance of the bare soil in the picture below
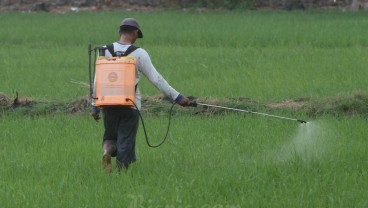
(354, 104)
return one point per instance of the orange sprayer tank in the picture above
(115, 81)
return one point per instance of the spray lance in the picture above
(194, 103)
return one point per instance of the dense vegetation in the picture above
(223, 160)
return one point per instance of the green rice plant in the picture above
(263, 55)
(225, 160)
(230, 160)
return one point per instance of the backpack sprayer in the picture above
(114, 79)
(114, 82)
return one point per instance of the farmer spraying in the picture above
(121, 121)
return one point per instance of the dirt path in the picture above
(354, 104)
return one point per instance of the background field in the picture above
(262, 55)
(230, 160)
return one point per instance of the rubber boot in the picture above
(109, 149)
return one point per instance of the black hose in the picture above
(144, 127)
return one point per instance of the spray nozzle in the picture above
(301, 121)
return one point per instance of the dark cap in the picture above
(134, 23)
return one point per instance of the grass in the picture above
(47, 165)
(291, 55)
(226, 160)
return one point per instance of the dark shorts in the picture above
(121, 125)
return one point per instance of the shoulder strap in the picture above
(111, 49)
(130, 50)
(127, 52)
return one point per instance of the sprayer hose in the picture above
(144, 127)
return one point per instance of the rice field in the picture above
(227, 160)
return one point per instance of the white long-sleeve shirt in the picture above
(144, 66)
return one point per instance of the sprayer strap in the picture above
(130, 50)
(127, 52)
(111, 49)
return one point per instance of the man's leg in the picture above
(127, 132)
(109, 147)
(111, 121)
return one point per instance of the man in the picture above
(121, 123)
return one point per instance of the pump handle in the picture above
(101, 51)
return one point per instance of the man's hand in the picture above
(96, 113)
(96, 116)
(183, 101)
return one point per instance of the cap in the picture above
(134, 23)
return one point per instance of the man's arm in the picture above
(146, 67)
